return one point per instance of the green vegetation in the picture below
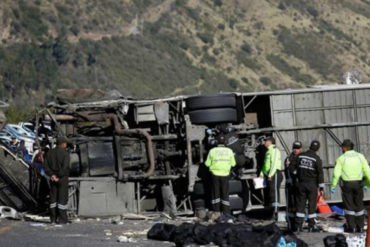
(292, 71)
(150, 48)
(317, 53)
(16, 114)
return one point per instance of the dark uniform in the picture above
(351, 170)
(310, 178)
(57, 163)
(291, 183)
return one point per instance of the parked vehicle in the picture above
(21, 131)
(14, 131)
(5, 137)
(29, 127)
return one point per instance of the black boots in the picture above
(314, 228)
(53, 215)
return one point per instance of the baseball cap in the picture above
(347, 143)
(315, 145)
(297, 145)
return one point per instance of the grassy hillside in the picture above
(151, 48)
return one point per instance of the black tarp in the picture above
(221, 234)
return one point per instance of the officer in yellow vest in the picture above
(219, 161)
(351, 168)
(271, 169)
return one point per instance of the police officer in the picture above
(310, 179)
(220, 160)
(271, 170)
(57, 168)
(351, 167)
(291, 182)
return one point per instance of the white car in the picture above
(28, 141)
(27, 126)
(20, 130)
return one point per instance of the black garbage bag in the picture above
(338, 240)
(183, 235)
(293, 238)
(270, 234)
(202, 234)
(221, 234)
(162, 232)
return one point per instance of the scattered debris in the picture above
(36, 218)
(339, 229)
(38, 224)
(136, 233)
(136, 217)
(125, 239)
(356, 240)
(9, 213)
(108, 232)
(117, 220)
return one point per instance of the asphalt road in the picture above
(89, 233)
(93, 233)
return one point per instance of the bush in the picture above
(217, 3)
(316, 52)
(244, 79)
(282, 6)
(266, 81)
(208, 59)
(206, 37)
(233, 83)
(247, 61)
(194, 13)
(75, 30)
(292, 71)
(312, 11)
(246, 48)
(221, 26)
(181, 3)
(60, 52)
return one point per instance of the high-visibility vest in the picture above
(220, 160)
(272, 161)
(351, 166)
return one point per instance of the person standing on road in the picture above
(351, 167)
(271, 170)
(57, 168)
(220, 160)
(310, 182)
(291, 182)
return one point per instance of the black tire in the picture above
(199, 204)
(198, 189)
(211, 101)
(235, 187)
(236, 203)
(217, 115)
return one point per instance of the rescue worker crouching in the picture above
(351, 167)
(220, 160)
(271, 170)
(291, 182)
(57, 168)
(310, 179)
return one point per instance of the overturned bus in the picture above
(130, 156)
